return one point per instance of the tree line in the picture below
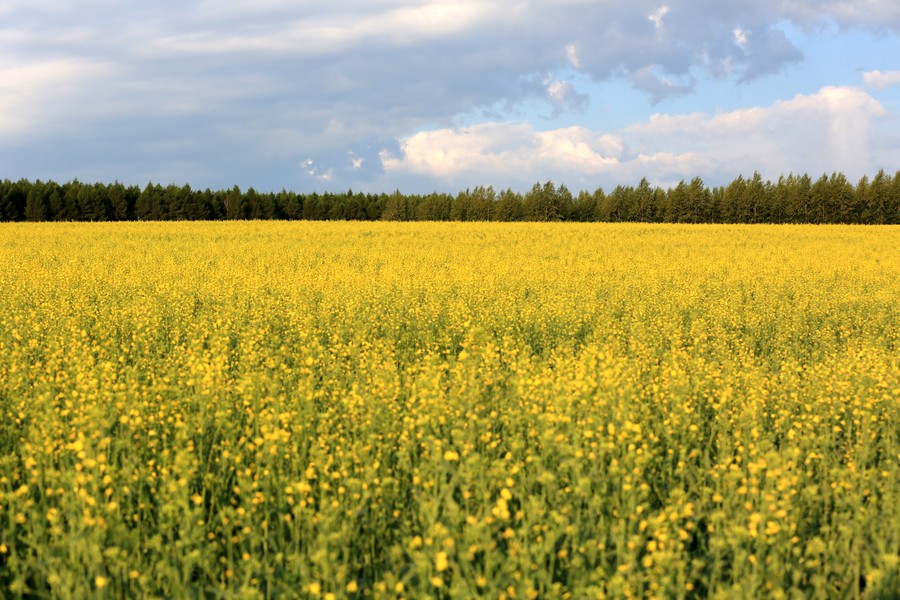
(791, 199)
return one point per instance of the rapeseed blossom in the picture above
(457, 410)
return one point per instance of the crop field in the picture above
(385, 410)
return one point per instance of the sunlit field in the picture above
(334, 410)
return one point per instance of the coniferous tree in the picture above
(147, 205)
(482, 203)
(698, 207)
(36, 208)
(873, 199)
(509, 206)
(252, 204)
(461, 207)
(268, 209)
(802, 205)
(677, 205)
(822, 210)
(546, 203)
(733, 196)
(5, 185)
(756, 200)
(565, 202)
(585, 207)
(716, 198)
(396, 208)
(290, 205)
(892, 203)
(235, 207)
(118, 202)
(600, 203)
(782, 200)
(642, 202)
(54, 201)
(70, 210)
(842, 199)
(612, 207)
(434, 207)
(311, 208)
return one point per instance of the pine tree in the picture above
(585, 207)
(36, 203)
(821, 209)
(118, 202)
(92, 202)
(235, 208)
(510, 206)
(873, 199)
(643, 208)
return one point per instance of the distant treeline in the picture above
(791, 199)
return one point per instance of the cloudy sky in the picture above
(444, 95)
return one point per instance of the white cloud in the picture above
(657, 16)
(830, 130)
(502, 148)
(327, 32)
(238, 90)
(563, 96)
(572, 55)
(37, 96)
(878, 80)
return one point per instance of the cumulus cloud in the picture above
(829, 130)
(502, 148)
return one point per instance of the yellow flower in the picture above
(440, 562)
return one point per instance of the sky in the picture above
(422, 96)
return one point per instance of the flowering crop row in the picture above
(379, 410)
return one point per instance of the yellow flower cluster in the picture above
(339, 410)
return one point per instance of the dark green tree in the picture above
(585, 207)
(148, 206)
(842, 200)
(874, 199)
(510, 206)
(235, 207)
(118, 202)
(892, 203)
(642, 202)
(36, 208)
(396, 208)
(546, 203)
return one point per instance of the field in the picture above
(518, 411)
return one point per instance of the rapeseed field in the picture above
(386, 410)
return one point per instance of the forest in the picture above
(791, 199)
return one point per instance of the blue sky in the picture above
(441, 95)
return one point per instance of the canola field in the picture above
(384, 410)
